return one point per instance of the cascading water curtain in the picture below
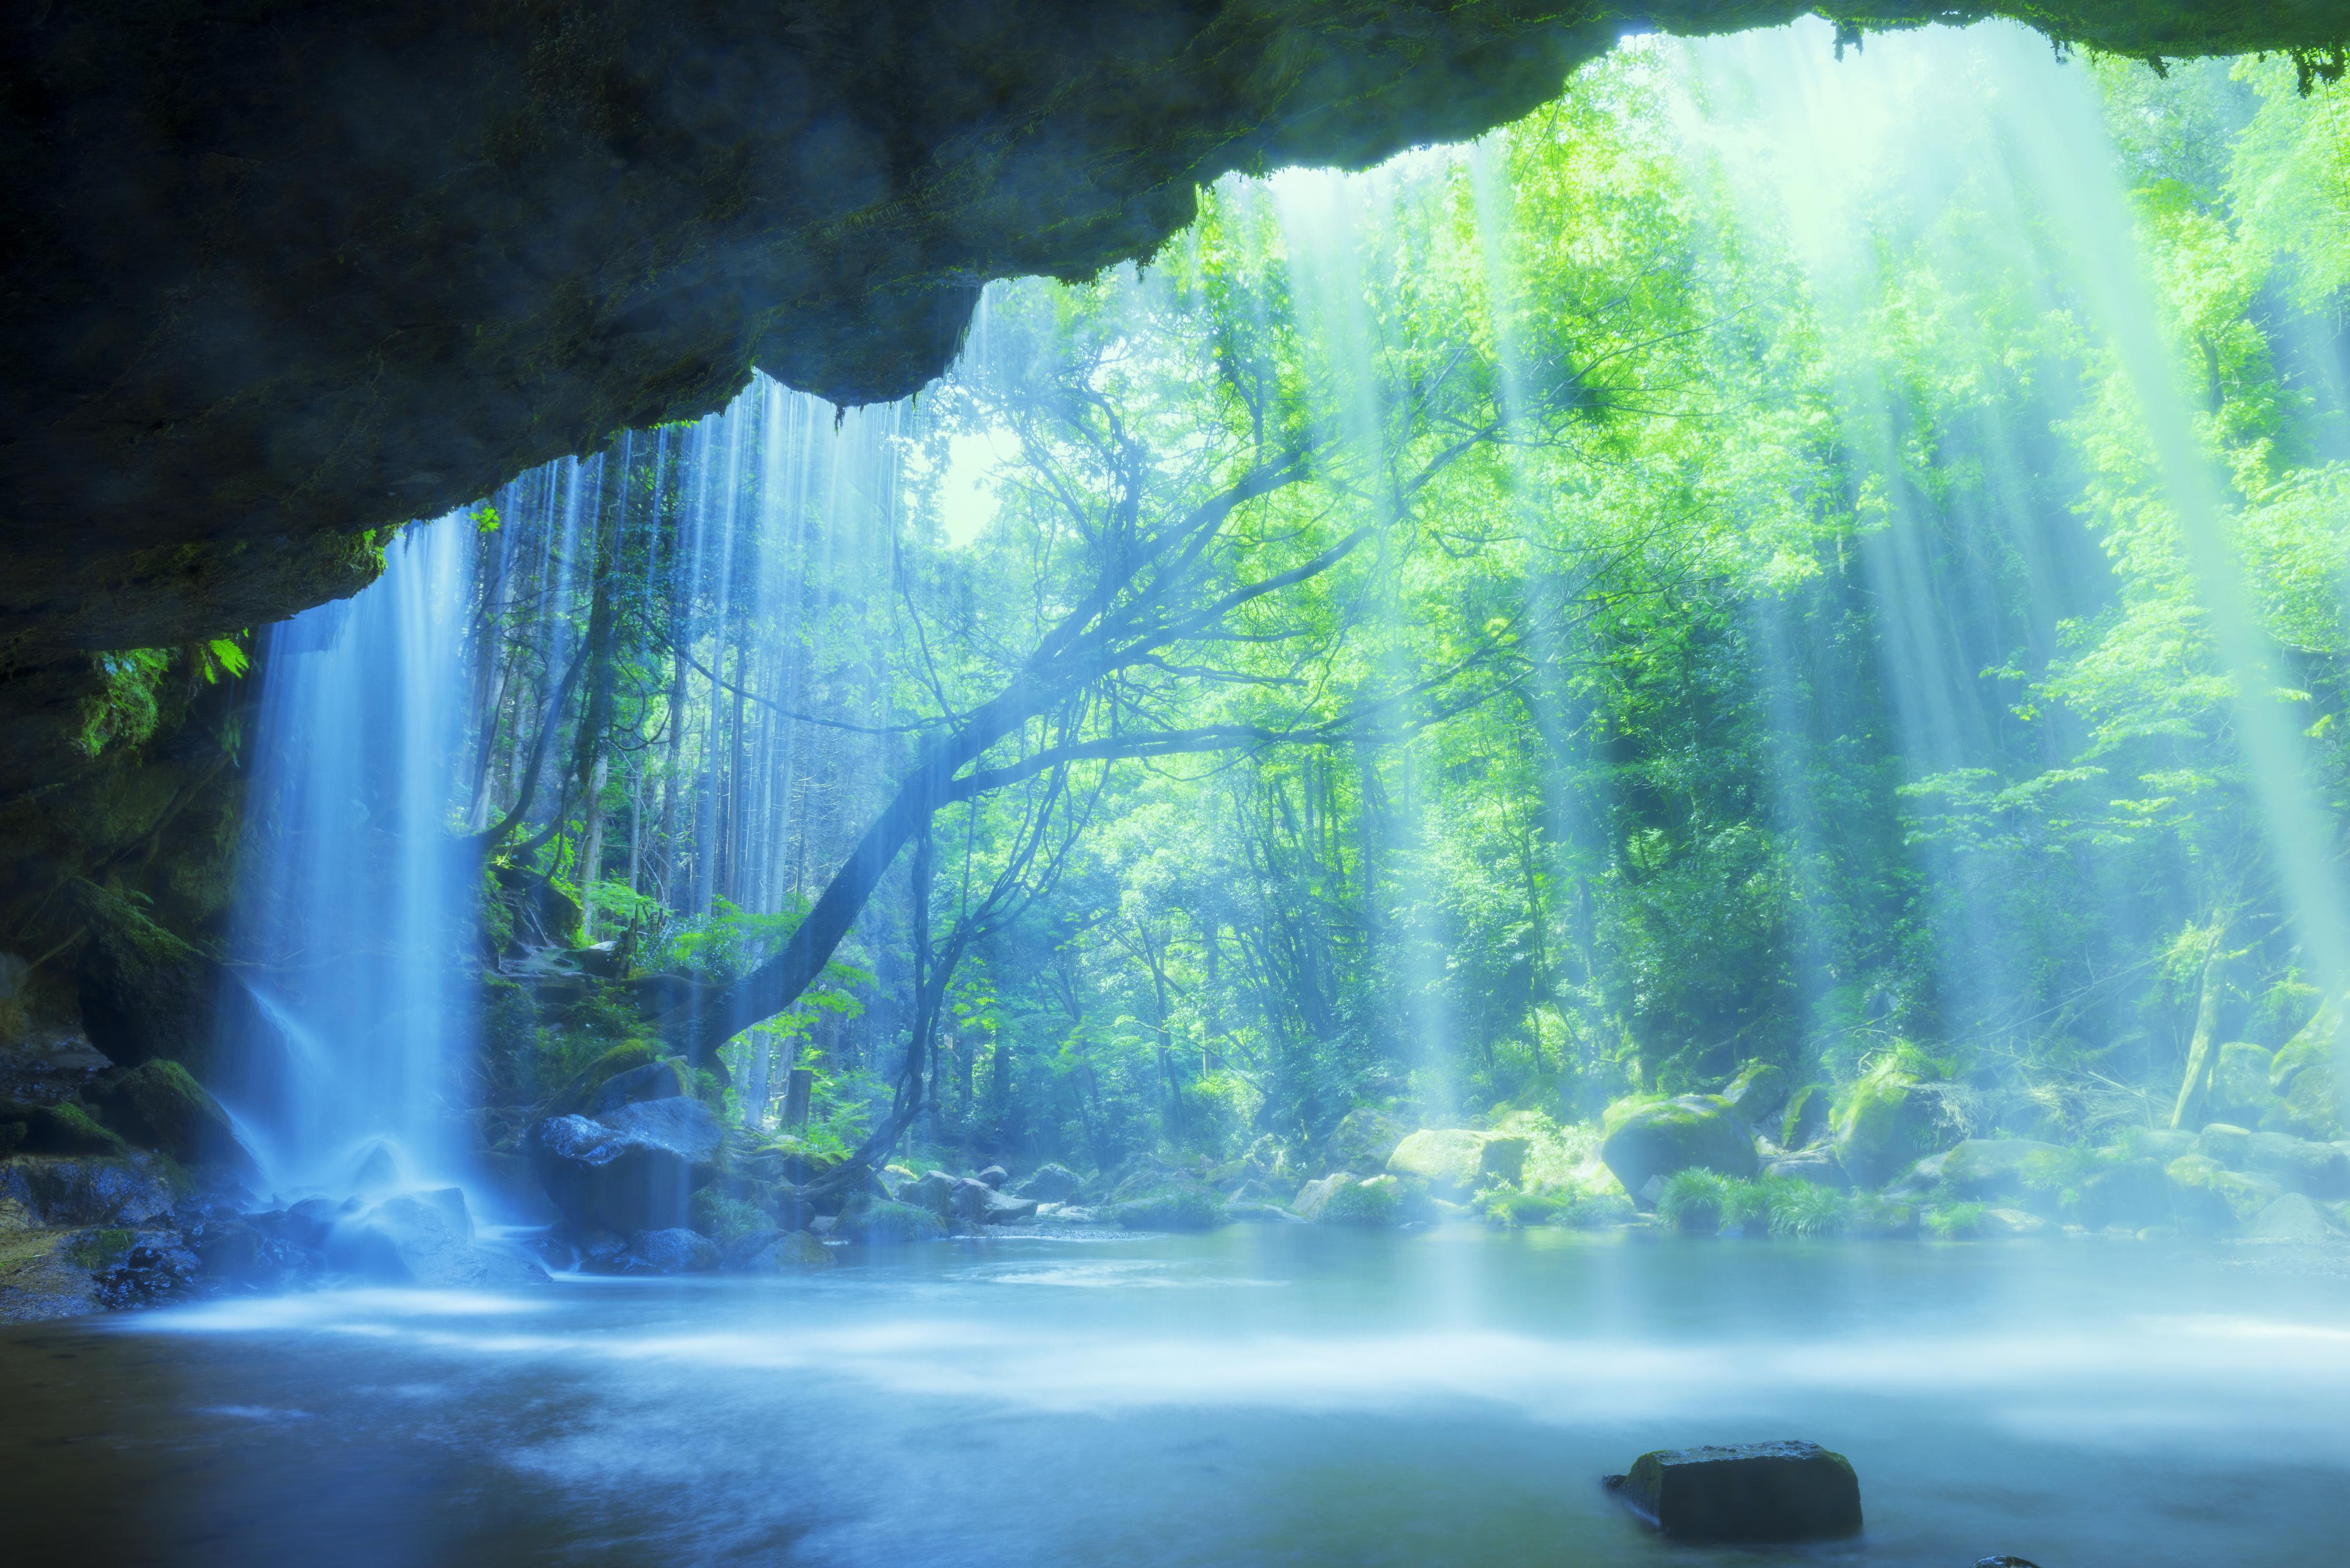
(343, 1017)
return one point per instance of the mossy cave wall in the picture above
(280, 277)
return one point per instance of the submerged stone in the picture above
(1747, 1492)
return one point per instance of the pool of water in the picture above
(1257, 1396)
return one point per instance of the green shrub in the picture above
(1179, 1209)
(1510, 1210)
(1807, 1209)
(97, 1249)
(1692, 1200)
(1589, 1211)
(723, 1219)
(1368, 1203)
(1950, 1220)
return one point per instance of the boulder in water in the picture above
(2319, 1169)
(631, 1170)
(1049, 1184)
(1695, 1132)
(776, 1252)
(2291, 1217)
(1755, 1492)
(674, 1249)
(244, 1257)
(1458, 1162)
(882, 1222)
(1363, 1139)
(421, 1237)
(2205, 1196)
(2012, 1222)
(2132, 1192)
(58, 1129)
(1375, 1204)
(994, 1175)
(1178, 1209)
(934, 1190)
(977, 1203)
(1314, 1196)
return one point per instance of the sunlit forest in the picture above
(1547, 624)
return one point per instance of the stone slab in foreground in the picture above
(1747, 1493)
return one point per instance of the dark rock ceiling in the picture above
(278, 272)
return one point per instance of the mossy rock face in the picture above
(2207, 1195)
(160, 1105)
(1695, 1132)
(1886, 1125)
(1759, 1090)
(2240, 1085)
(2302, 1075)
(1805, 1121)
(64, 1128)
(1456, 1161)
(1363, 1139)
(576, 1097)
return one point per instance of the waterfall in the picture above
(345, 1030)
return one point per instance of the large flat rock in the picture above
(1747, 1492)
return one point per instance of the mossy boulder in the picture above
(2207, 1195)
(1456, 1161)
(576, 1097)
(1805, 1120)
(1985, 1169)
(1888, 1121)
(1363, 1139)
(64, 1128)
(2227, 1143)
(2240, 1085)
(1654, 1141)
(2300, 1165)
(1177, 1209)
(1314, 1196)
(881, 1223)
(2303, 1077)
(1757, 1091)
(160, 1105)
(1374, 1204)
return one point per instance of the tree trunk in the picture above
(2199, 1048)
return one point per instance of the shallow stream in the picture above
(1287, 1395)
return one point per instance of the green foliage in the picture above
(1954, 1221)
(724, 1219)
(100, 1249)
(123, 713)
(1694, 1200)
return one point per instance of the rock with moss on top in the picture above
(1458, 1161)
(159, 1105)
(1889, 1119)
(1654, 1141)
(1759, 1090)
(1382, 1201)
(2208, 1197)
(879, 1223)
(1178, 1209)
(1805, 1120)
(1363, 1139)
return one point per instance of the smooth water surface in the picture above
(1259, 1395)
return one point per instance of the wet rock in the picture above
(2291, 1217)
(2303, 1077)
(1258, 1213)
(1314, 1196)
(675, 1250)
(419, 1239)
(40, 1277)
(2319, 1169)
(1695, 1132)
(1458, 1161)
(307, 1223)
(1371, 1205)
(981, 1204)
(243, 1257)
(1752, 1492)
(2229, 1145)
(1363, 1139)
(934, 1190)
(157, 1268)
(2004, 1560)
(994, 1175)
(62, 1190)
(662, 1080)
(883, 1223)
(1049, 1184)
(776, 1252)
(631, 1170)
(2160, 1144)
(2207, 1196)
